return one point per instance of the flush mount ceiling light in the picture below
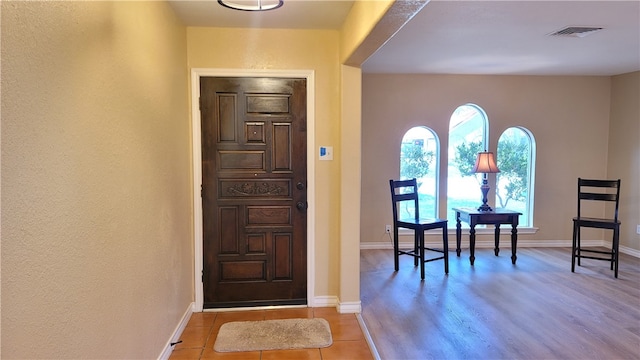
(251, 5)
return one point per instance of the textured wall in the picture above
(357, 28)
(97, 252)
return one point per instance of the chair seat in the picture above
(424, 224)
(597, 222)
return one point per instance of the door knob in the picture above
(301, 205)
(300, 186)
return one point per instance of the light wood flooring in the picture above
(200, 333)
(536, 309)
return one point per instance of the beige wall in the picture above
(624, 152)
(350, 179)
(97, 258)
(568, 116)
(317, 50)
(357, 28)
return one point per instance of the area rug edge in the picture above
(276, 334)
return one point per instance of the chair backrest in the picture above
(599, 190)
(402, 191)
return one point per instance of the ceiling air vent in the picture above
(576, 31)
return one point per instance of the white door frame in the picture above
(196, 73)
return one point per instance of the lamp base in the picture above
(485, 190)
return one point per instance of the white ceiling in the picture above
(294, 14)
(468, 37)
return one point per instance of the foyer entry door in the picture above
(254, 194)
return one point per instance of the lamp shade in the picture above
(485, 163)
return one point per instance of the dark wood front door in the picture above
(254, 194)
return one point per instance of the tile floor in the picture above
(199, 336)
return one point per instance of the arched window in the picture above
(467, 137)
(514, 182)
(419, 158)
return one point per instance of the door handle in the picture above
(302, 205)
(300, 186)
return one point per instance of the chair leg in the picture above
(578, 246)
(573, 248)
(396, 255)
(613, 246)
(616, 243)
(445, 243)
(421, 245)
(416, 247)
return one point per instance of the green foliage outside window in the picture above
(465, 157)
(415, 161)
(512, 160)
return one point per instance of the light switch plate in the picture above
(326, 153)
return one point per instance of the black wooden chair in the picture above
(406, 191)
(607, 191)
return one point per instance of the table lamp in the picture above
(485, 164)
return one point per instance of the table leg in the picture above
(514, 242)
(472, 243)
(458, 233)
(496, 250)
(445, 243)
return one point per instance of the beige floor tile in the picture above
(202, 319)
(210, 354)
(345, 327)
(297, 313)
(194, 337)
(347, 350)
(223, 317)
(297, 354)
(185, 354)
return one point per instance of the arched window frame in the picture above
(529, 205)
(484, 128)
(425, 209)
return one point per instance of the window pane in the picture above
(419, 159)
(514, 158)
(467, 137)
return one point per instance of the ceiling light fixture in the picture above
(251, 5)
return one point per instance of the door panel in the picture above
(254, 180)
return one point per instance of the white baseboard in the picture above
(485, 243)
(629, 251)
(504, 243)
(325, 301)
(353, 307)
(341, 307)
(168, 348)
(367, 336)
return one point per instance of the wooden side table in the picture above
(496, 217)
